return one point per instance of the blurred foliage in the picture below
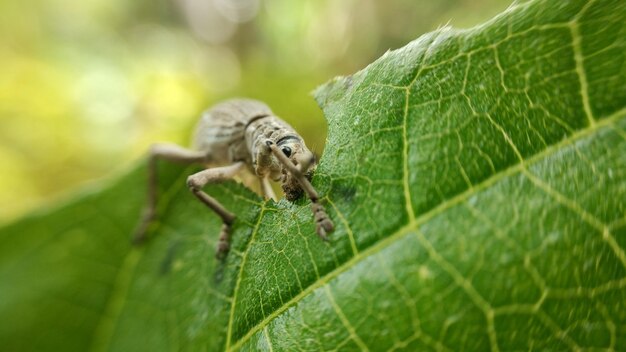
(86, 86)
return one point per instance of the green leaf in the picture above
(477, 180)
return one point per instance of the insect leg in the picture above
(199, 180)
(171, 152)
(323, 224)
(266, 187)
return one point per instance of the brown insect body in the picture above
(241, 134)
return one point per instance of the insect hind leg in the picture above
(195, 183)
(170, 152)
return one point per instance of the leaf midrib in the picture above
(440, 208)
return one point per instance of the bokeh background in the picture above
(86, 86)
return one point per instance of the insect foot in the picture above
(323, 224)
(223, 246)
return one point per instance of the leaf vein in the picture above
(580, 64)
(344, 320)
(405, 160)
(345, 223)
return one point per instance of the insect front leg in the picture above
(170, 152)
(262, 163)
(267, 189)
(197, 181)
(323, 223)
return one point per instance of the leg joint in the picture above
(193, 184)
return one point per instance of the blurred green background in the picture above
(87, 86)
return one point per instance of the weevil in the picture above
(231, 137)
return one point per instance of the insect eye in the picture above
(287, 151)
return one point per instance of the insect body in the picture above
(235, 135)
